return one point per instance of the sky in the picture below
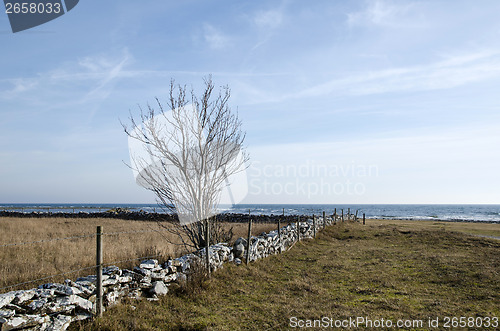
(341, 101)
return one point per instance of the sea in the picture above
(451, 212)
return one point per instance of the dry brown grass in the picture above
(23, 263)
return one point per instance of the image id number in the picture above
(32, 8)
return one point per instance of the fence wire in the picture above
(129, 260)
(48, 277)
(131, 232)
(78, 270)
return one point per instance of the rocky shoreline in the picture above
(146, 216)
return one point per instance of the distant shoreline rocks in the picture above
(125, 214)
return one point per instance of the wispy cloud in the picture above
(15, 86)
(448, 73)
(387, 14)
(93, 75)
(214, 37)
(268, 19)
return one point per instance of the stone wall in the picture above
(54, 306)
(125, 214)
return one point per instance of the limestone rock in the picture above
(37, 305)
(23, 296)
(158, 275)
(7, 313)
(54, 307)
(112, 270)
(110, 281)
(142, 271)
(60, 323)
(159, 288)
(75, 300)
(170, 278)
(125, 279)
(7, 298)
(149, 264)
(60, 289)
(86, 289)
(239, 247)
(21, 322)
(17, 309)
(86, 279)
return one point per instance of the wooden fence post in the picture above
(99, 271)
(356, 216)
(249, 236)
(207, 250)
(298, 229)
(342, 215)
(335, 216)
(279, 231)
(348, 214)
(363, 218)
(314, 226)
(324, 220)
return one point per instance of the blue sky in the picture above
(342, 102)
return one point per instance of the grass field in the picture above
(386, 269)
(26, 262)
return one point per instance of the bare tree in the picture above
(187, 155)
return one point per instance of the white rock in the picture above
(148, 264)
(60, 323)
(25, 321)
(16, 322)
(84, 280)
(158, 275)
(37, 305)
(17, 309)
(112, 270)
(124, 279)
(87, 289)
(159, 288)
(60, 289)
(170, 278)
(142, 271)
(7, 313)
(75, 300)
(53, 307)
(23, 296)
(110, 281)
(7, 298)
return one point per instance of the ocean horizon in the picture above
(447, 212)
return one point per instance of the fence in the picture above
(56, 304)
